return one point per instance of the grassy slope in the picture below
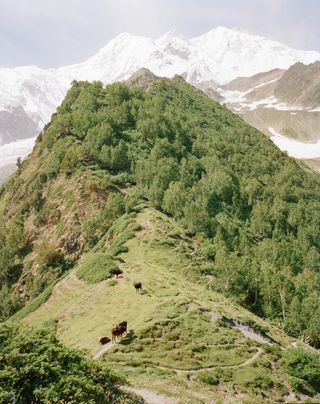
(177, 345)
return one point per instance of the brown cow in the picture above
(104, 340)
(116, 332)
(138, 286)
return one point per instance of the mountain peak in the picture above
(226, 34)
(142, 78)
(170, 36)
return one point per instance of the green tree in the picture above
(36, 367)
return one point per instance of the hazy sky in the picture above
(58, 32)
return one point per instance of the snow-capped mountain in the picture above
(283, 104)
(215, 58)
(29, 95)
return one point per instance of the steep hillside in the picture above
(240, 220)
(185, 340)
(300, 86)
(294, 89)
(251, 83)
(284, 105)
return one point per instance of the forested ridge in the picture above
(254, 212)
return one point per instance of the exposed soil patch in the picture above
(150, 397)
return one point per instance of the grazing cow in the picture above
(124, 325)
(138, 286)
(116, 271)
(104, 340)
(116, 332)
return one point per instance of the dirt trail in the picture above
(195, 370)
(102, 350)
(151, 397)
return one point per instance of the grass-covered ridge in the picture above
(180, 342)
(255, 213)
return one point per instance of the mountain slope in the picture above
(294, 89)
(174, 143)
(282, 104)
(300, 86)
(169, 185)
(183, 333)
(251, 83)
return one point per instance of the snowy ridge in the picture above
(217, 57)
(294, 148)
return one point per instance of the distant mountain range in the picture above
(284, 104)
(29, 95)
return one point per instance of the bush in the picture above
(167, 242)
(96, 268)
(118, 250)
(208, 378)
(10, 302)
(35, 367)
(48, 255)
(304, 367)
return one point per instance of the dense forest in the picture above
(254, 212)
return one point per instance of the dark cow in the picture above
(104, 340)
(124, 325)
(116, 271)
(138, 286)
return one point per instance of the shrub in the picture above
(96, 268)
(35, 367)
(10, 302)
(304, 367)
(167, 242)
(118, 250)
(48, 255)
(208, 378)
(17, 238)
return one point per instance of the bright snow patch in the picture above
(233, 97)
(294, 148)
(11, 151)
(239, 97)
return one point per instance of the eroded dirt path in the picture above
(103, 350)
(151, 397)
(195, 370)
